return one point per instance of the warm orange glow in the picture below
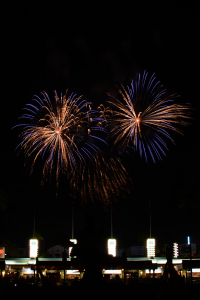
(137, 120)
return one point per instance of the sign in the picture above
(2, 252)
(175, 250)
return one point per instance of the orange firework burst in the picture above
(144, 117)
(55, 130)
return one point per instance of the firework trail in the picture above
(57, 131)
(104, 178)
(145, 117)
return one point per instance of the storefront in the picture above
(59, 271)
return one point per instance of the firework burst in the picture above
(57, 131)
(145, 117)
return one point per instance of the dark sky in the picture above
(88, 48)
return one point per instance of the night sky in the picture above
(87, 48)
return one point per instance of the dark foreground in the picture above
(102, 291)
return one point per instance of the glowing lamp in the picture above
(112, 243)
(151, 243)
(70, 248)
(33, 248)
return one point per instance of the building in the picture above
(66, 269)
(57, 251)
